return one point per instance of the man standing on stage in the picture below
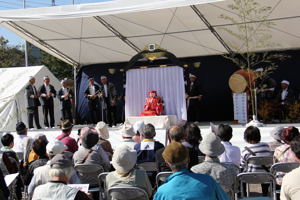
(194, 96)
(285, 97)
(33, 103)
(48, 92)
(65, 96)
(91, 93)
(108, 101)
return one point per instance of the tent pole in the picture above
(25, 44)
(75, 92)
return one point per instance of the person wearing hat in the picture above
(127, 134)
(90, 152)
(276, 135)
(108, 97)
(153, 105)
(138, 128)
(41, 175)
(91, 93)
(65, 96)
(184, 184)
(47, 93)
(193, 97)
(66, 127)
(285, 97)
(126, 174)
(60, 172)
(224, 174)
(103, 133)
(33, 103)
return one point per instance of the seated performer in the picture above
(153, 105)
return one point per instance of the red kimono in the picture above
(152, 107)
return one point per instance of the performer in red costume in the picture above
(153, 105)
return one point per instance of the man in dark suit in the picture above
(33, 103)
(91, 93)
(65, 96)
(47, 93)
(285, 97)
(108, 101)
(194, 96)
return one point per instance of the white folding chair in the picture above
(88, 173)
(161, 177)
(102, 185)
(256, 178)
(265, 161)
(127, 193)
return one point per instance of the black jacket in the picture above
(42, 90)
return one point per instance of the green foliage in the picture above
(10, 56)
(59, 68)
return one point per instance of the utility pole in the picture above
(53, 2)
(73, 2)
(25, 45)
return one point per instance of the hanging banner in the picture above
(240, 107)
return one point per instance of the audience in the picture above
(103, 132)
(7, 141)
(255, 148)
(276, 135)
(138, 129)
(232, 153)
(21, 140)
(86, 154)
(57, 188)
(126, 174)
(224, 174)
(41, 174)
(39, 147)
(32, 155)
(290, 189)
(193, 138)
(183, 184)
(66, 127)
(127, 134)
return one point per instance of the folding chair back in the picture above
(257, 178)
(284, 167)
(102, 185)
(149, 166)
(161, 177)
(264, 161)
(88, 173)
(128, 193)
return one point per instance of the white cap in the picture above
(285, 82)
(127, 131)
(192, 76)
(124, 159)
(102, 130)
(259, 69)
(55, 147)
(139, 126)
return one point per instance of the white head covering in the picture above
(124, 159)
(276, 132)
(127, 130)
(102, 130)
(55, 147)
(285, 82)
(139, 127)
(211, 145)
(192, 76)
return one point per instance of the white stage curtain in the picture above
(167, 81)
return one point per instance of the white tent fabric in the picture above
(115, 31)
(140, 81)
(12, 94)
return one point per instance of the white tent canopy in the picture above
(115, 31)
(12, 94)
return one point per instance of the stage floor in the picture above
(116, 138)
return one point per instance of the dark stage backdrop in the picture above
(213, 73)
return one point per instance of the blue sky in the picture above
(18, 4)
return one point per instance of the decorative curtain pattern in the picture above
(167, 81)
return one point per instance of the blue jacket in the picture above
(146, 150)
(186, 185)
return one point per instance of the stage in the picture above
(116, 135)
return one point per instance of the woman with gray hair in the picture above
(57, 188)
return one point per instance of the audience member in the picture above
(138, 129)
(41, 175)
(8, 143)
(32, 155)
(276, 135)
(232, 153)
(103, 132)
(66, 127)
(21, 140)
(255, 148)
(183, 184)
(125, 174)
(86, 153)
(147, 148)
(284, 153)
(224, 174)
(127, 134)
(39, 147)
(57, 188)
(290, 189)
